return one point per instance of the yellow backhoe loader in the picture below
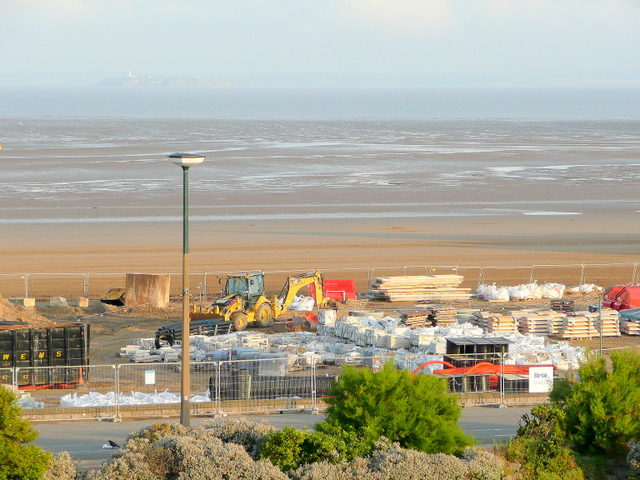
(244, 301)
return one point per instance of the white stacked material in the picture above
(327, 317)
(420, 287)
(127, 350)
(145, 343)
(531, 291)
(94, 399)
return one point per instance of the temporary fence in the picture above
(292, 383)
(207, 285)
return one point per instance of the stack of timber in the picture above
(415, 318)
(428, 316)
(629, 327)
(608, 318)
(417, 288)
(502, 324)
(630, 321)
(578, 326)
(494, 323)
(543, 322)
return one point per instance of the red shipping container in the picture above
(340, 289)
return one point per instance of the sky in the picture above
(323, 42)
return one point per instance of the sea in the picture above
(98, 154)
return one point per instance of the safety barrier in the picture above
(205, 286)
(292, 383)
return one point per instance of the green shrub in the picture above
(541, 446)
(601, 412)
(196, 456)
(415, 411)
(18, 461)
(63, 468)
(392, 462)
(290, 448)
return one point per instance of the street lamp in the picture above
(185, 160)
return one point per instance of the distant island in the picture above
(131, 81)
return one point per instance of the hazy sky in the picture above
(330, 41)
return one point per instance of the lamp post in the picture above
(185, 160)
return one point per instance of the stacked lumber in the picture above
(417, 288)
(415, 318)
(494, 323)
(543, 322)
(502, 324)
(630, 321)
(610, 322)
(578, 326)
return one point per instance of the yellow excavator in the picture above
(244, 301)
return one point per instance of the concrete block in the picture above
(25, 302)
(82, 302)
(58, 302)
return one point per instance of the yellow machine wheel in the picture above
(264, 316)
(239, 320)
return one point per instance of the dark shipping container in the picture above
(65, 345)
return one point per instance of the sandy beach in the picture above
(351, 198)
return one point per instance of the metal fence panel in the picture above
(69, 392)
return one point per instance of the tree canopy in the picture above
(414, 410)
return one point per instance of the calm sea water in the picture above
(251, 103)
(98, 154)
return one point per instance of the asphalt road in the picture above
(84, 440)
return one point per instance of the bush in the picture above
(633, 457)
(18, 461)
(290, 448)
(601, 411)
(63, 468)
(541, 446)
(392, 462)
(199, 455)
(415, 411)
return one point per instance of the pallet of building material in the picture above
(430, 297)
(443, 315)
(577, 327)
(415, 318)
(534, 324)
(416, 288)
(417, 280)
(609, 319)
(501, 324)
(629, 327)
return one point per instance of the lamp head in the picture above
(186, 159)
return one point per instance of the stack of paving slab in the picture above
(540, 322)
(494, 323)
(630, 321)
(578, 326)
(419, 288)
(610, 320)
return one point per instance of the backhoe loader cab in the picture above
(249, 286)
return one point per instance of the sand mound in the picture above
(18, 313)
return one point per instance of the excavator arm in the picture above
(293, 285)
